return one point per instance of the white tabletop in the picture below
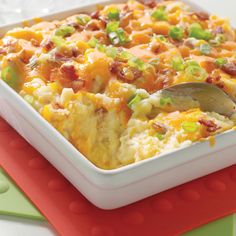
(16, 10)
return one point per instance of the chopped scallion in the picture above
(134, 100)
(178, 64)
(190, 126)
(197, 32)
(83, 19)
(114, 14)
(160, 14)
(176, 33)
(137, 63)
(220, 62)
(160, 136)
(64, 30)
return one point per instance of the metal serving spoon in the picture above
(209, 97)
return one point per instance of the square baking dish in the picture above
(109, 189)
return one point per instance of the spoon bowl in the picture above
(209, 96)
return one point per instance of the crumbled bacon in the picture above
(218, 30)
(209, 124)
(125, 19)
(101, 111)
(75, 52)
(155, 47)
(149, 3)
(230, 68)
(48, 45)
(202, 15)
(95, 15)
(160, 128)
(69, 71)
(2, 51)
(209, 80)
(215, 80)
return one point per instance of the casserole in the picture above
(106, 188)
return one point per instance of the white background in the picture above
(16, 10)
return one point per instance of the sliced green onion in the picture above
(58, 41)
(116, 34)
(178, 64)
(93, 42)
(192, 63)
(112, 26)
(176, 33)
(114, 14)
(189, 126)
(159, 14)
(197, 32)
(125, 56)
(205, 49)
(83, 19)
(194, 72)
(101, 47)
(111, 52)
(137, 63)
(162, 38)
(134, 100)
(166, 101)
(9, 75)
(64, 30)
(220, 62)
(160, 136)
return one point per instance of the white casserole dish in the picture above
(109, 189)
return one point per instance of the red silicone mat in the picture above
(167, 214)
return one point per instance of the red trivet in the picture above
(169, 213)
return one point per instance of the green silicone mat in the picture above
(13, 202)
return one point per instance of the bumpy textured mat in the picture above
(13, 202)
(169, 213)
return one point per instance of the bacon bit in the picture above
(211, 126)
(230, 68)
(69, 71)
(78, 85)
(221, 85)
(216, 81)
(95, 15)
(149, 3)
(125, 19)
(155, 47)
(209, 80)
(101, 111)
(160, 128)
(48, 45)
(75, 52)
(218, 30)
(114, 67)
(202, 16)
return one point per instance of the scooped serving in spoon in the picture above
(209, 97)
